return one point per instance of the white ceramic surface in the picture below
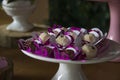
(71, 70)
(19, 11)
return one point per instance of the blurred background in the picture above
(79, 13)
(71, 13)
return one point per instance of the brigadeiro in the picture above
(71, 51)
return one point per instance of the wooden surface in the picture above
(26, 68)
(10, 38)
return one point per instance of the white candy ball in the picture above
(63, 40)
(89, 50)
(89, 38)
(44, 37)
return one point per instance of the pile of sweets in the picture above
(71, 43)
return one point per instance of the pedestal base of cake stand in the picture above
(69, 71)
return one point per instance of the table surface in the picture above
(26, 68)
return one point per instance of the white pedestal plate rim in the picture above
(68, 67)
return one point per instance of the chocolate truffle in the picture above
(71, 51)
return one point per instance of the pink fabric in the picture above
(114, 31)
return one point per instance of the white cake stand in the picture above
(71, 70)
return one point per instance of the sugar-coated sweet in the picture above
(97, 33)
(57, 31)
(73, 35)
(83, 30)
(63, 40)
(98, 30)
(89, 38)
(89, 50)
(64, 29)
(44, 36)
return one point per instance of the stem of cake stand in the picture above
(114, 31)
(69, 71)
